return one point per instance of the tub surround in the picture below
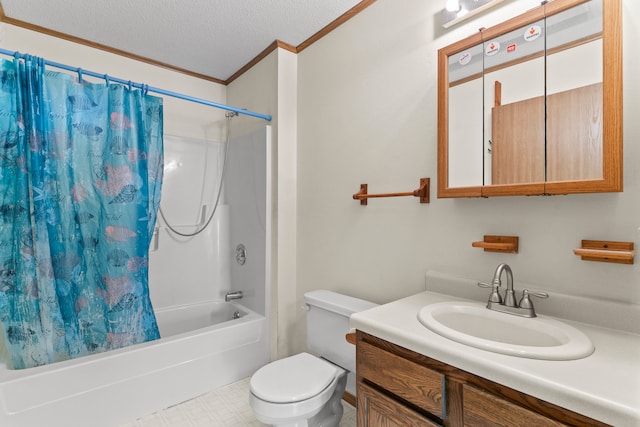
(604, 386)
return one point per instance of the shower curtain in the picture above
(80, 176)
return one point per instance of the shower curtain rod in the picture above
(148, 88)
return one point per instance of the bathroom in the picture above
(360, 106)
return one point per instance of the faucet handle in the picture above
(525, 302)
(495, 294)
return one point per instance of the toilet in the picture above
(305, 390)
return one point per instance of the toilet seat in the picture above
(287, 380)
(292, 379)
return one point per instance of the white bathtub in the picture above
(202, 348)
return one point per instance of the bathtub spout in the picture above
(232, 295)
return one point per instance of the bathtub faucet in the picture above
(232, 295)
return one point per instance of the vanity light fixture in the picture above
(457, 11)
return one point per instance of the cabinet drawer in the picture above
(377, 410)
(410, 381)
(484, 409)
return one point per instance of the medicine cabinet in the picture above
(534, 105)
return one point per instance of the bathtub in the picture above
(202, 347)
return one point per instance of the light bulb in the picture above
(453, 5)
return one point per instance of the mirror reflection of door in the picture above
(574, 94)
(514, 78)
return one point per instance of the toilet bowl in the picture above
(298, 391)
(305, 390)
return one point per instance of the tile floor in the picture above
(225, 407)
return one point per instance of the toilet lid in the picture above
(292, 379)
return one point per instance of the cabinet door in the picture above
(401, 377)
(486, 410)
(377, 410)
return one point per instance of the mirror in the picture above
(534, 105)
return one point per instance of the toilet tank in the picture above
(328, 323)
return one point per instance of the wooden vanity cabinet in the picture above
(398, 387)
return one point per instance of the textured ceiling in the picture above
(215, 38)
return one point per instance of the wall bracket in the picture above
(606, 251)
(503, 244)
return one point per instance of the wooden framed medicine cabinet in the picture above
(534, 105)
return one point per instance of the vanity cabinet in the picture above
(398, 387)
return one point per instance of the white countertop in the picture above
(604, 386)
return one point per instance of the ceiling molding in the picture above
(335, 24)
(273, 46)
(305, 44)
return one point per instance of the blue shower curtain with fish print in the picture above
(80, 179)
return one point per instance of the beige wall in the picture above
(367, 114)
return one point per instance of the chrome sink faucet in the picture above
(523, 308)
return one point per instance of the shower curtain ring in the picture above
(106, 79)
(41, 66)
(79, 75)
(130, 85)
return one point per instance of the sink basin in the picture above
(471, 323)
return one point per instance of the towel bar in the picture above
(422, 192)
